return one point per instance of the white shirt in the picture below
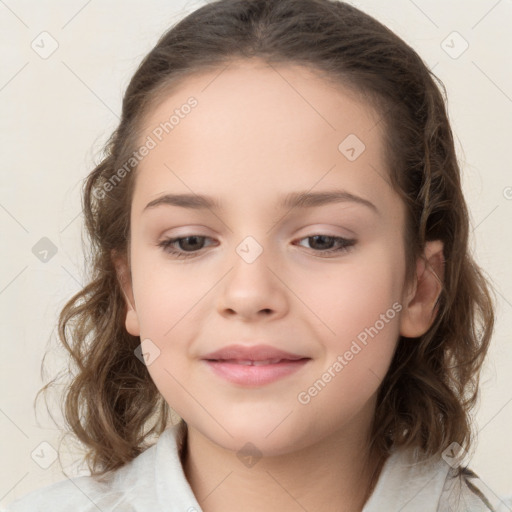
(155, 482)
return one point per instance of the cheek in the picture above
(165, 293)
(170, 302)
(352, 295)
(359, 306)
(358, 346)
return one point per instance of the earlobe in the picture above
(420, 306)
(124, 279)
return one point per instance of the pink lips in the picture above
(253, 365)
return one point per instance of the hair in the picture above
(111, 404)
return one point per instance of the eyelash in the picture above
(167, 245)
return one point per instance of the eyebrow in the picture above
(302, 199)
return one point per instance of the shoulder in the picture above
(114, 492)
(152, 481)
(464, 490)
(79, 494)
(410, 483)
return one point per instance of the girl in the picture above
(322, 340)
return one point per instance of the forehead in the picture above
(256, 129)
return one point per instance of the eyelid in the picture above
(326, 230)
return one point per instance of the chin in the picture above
(266, 438)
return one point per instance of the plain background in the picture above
(57, 111)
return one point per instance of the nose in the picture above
(253, 290)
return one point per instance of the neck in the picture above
(340, 476)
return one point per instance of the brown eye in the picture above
(191, 243)
(325, 244)
(183, 247)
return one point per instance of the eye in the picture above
(189, 245)
(325, 243)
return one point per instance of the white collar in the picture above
(403, 484)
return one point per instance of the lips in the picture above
(254, 355)
(253, 366)
(250, 362)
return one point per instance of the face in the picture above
(323, 279)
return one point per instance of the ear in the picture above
(125, 282)
(419, 303)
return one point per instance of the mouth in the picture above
(249, 362)
(246, 354)
(251, 374)
(253, 365)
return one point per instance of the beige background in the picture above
(56, 112)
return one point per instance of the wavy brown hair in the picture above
(425, 400)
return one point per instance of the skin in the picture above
(260, 132)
